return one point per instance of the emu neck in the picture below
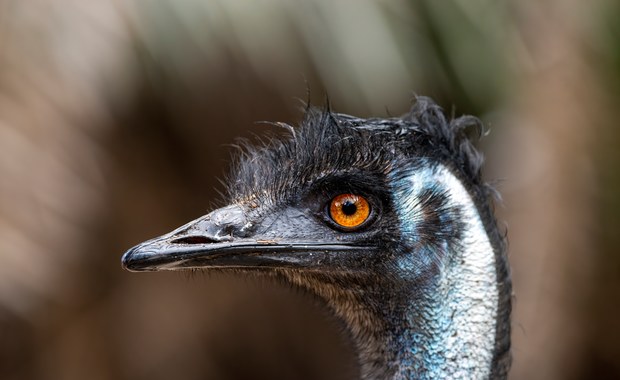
(447, 328)
(438, 333)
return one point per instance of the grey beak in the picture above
(225, 239)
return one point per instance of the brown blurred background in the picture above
(114, 124)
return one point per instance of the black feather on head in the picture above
(328, 143)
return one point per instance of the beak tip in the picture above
(134, 259)
(126, 260)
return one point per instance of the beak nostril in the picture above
(229, 230)
(195, 240)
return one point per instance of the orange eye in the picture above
(349, 210)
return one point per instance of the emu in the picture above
(386, 220)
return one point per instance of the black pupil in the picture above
(349, 208)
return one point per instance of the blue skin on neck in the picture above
(424, 339)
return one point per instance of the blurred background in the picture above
(116, 120)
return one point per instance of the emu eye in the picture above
(349, 210)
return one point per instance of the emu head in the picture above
(387, 220)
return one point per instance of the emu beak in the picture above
(222, 239)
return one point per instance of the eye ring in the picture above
(349, 211)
